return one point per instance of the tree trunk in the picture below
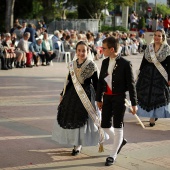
(9, 16)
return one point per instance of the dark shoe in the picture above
(152, 124)
(156, 119)
(30, 66)
(123, 143)
(75, 152)
(109, 161)
(4, 68)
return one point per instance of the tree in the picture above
(9, 16)
(92, 9)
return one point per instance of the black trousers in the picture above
(49, 57)
(113, 107)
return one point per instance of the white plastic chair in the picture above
(63, 53)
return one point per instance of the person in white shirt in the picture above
(48, 49)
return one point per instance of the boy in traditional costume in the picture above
(116, 77)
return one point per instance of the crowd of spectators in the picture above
(28, 46)
(153, 23)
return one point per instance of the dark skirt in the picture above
(71, 112)
(152, 89)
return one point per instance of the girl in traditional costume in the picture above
(77, 120)
(154, 80)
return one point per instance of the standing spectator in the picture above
(18, 32)
(160, 25)
(133, 20)
(166, 23)
(32, 32)
(154, 23)
(24, 26)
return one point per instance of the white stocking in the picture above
(110, 132)
(78, 148)
(118, 138)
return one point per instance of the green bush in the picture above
(109, 28)
(141, 23)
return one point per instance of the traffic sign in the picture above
(149, 9)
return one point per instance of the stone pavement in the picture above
(28, 104)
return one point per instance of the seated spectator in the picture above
(142, 31)
(36, 49)
(56, 38)
(24, 46)
(48, 49)
(142, 43)
(90, 42)
(73, 39)
(67, 46)
(3, 58)
(125, 45)
(20, 55)
(9, 50)
(134, 44)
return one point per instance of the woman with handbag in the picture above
(154, 80)
(77, 115)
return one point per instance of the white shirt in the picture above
(112, 63)
(47, 44)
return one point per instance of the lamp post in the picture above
(155, 7)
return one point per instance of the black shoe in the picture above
(4, 68)
(75, 152)
(109, 161)
(156, 119)
(152, 124)
(29, 66)
(123, 143)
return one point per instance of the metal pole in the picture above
(155, 7)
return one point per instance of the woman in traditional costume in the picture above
(77, 117)
(154, 80)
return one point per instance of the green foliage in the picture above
(142, 23)
(72, 15)
(163, 9)
(105, 28)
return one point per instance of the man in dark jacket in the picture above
(116, 77)
(32, 32)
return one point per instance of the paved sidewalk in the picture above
(28, 104)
